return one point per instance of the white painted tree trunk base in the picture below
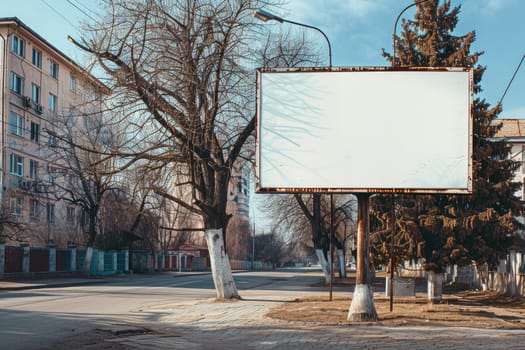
(435, 287)
(342, 263)
(362, 308)
(220, 266)
(86, 269)
(325, 265)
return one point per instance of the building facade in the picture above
(512, 132)
(38, 83)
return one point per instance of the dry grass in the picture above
(472, 309)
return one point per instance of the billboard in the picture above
(364, 130)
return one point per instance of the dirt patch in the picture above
(470, 309)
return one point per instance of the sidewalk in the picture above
(243, 325)
(62, 282)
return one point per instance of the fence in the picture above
(508, 278)
(32, 261)
(142, 261)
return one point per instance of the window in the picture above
(51, 175)
(239, 186)
(36, 58)
(52, 102)
(523, 188)
(70, 214)
(34, 208)
(33, 169)
(17, 83)
(19, 46)
(523, 162)
(52, 140)
(50, 212)
(16, 124)
(72, 82)
(35, 93)
(16, 205)
(34, 132)
(53, 69)
(16, 164)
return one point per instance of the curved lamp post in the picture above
(394, 37)
(266, 16)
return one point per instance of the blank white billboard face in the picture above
(364, 130)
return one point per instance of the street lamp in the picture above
(266, 16)
(394, 37)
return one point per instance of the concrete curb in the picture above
(34, 284)
(21, 286)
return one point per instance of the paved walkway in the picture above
(242, 325)
(237, 325)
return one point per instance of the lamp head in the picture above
(266, 16)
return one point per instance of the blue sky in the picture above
(358, 30)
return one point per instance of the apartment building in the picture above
(38, 82)
(512, 132)
(239, 200)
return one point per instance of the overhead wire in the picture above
(81, 10)
(511, 79)
(60, 14)
(86, 7)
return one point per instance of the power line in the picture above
(85, 7)
(81, 10)
(511, 79)
(58, 13)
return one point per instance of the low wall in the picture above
(39, 261)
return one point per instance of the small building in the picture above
(194, 250)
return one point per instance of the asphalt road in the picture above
(181, 313)
(30, 319)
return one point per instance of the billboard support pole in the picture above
(331, 245)
(362, 308)
(391, 281)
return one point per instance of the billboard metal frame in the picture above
(426, 190)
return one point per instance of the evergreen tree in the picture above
(451, 229)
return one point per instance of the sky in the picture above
(358, 30)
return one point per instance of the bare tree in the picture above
(308, 217)
(12, 228)
(272, 248)
(182, 76)
(79, 175)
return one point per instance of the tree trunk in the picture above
(362, 308)
(220, 266)
(483, 276)
(87, 261)
(325, 265)
(435, 286)
(342, 263)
